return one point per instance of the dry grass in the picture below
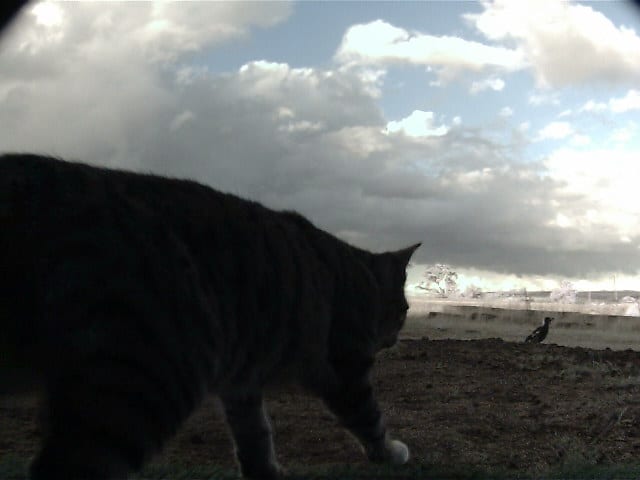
(440, 320)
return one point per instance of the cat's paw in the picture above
(391, 451)
(398, 452)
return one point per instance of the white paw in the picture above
(398, 452)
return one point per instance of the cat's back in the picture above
(76, 237)
(44, 186)
(44, 200)
(80, 232)
(88, 223)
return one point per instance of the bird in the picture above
(540, 333)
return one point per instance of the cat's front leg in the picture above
(251, 432)
(355, 405)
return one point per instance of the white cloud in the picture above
(546, 98)
(631, 101)
(495, 84)
(580, 140)
(551, 33)
(555, 131)
(593, 106)
(506, 112)
(72, 69)
(380, 43)
(607, 182)
(301, 126)
(158, 31)
(621, 135)
(359, 141)
(48, 14)
(418, 124)
(624, 134)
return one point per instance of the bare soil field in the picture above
(482, 405)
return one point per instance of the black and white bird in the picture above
(540, 333)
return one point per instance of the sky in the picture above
(504, 136)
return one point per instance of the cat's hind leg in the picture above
(251, 430)
(77, 455)
(88, 435)
(106, 413)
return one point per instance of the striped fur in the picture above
(129, 297)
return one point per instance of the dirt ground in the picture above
(488, 404)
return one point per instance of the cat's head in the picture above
(390, 269)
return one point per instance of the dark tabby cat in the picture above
(128, 297)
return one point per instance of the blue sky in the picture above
(503, 135)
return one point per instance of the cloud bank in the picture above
(112, 84)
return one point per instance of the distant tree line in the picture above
(442, 280)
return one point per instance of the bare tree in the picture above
(440, 279)
(473, 291)
(566, 293)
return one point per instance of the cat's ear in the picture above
(404, 255)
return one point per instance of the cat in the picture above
(128, 297)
